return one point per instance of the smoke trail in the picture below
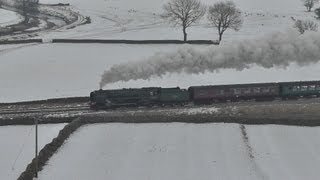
(279, 49)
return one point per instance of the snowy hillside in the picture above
(140, 19)
(31, 72)
(9, 18)
(161, 151)
(187, 151)
(17, 147)
(63, 70)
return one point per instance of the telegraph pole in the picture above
(36, 157)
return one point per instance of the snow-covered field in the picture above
(8, 18)
(140, 19)
(31, 72)
(187, 151)
(17, 147)
(62, 70)
(152, 151)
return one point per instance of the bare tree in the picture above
(184, 13)
(224, 15)
(306, 25)
(309, 4)
(2, 2)
(27, 7)
(317, 12)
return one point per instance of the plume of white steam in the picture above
(278, 49)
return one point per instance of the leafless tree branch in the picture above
(309, 4)
(183, 13)
(225, 15)
(27, 7)
(306, 25)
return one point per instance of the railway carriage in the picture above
(173, 96)
(222, 93)
(104, 99)
(294, 90)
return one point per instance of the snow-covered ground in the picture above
(30, 72)
(187, 151)
(61, 70)
(8, 18)
(152, 151)
(17, 147)
(140, 19)
(42, 71)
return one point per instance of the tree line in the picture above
(184, 13)
(221, 15)
(308, 25)
(26, 7)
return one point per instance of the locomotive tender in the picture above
(104, 99)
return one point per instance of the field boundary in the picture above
(109, 41)
(22, 41)
(123, 41)
(47, 152)
(162, 118)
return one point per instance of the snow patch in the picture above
(17, 147)
(198, 110)
(182, 151)
(9, 18)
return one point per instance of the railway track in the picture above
(75, 109)
(43, 110)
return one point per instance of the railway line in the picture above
(49, 108)
(43, 110)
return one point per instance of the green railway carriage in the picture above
(173, 96)
(299, 89)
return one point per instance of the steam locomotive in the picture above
(150, 96)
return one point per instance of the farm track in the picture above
(53, 17)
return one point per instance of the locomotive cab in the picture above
(99, 99)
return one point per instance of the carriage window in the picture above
(304, 88)
(247, 90)
(237, 91)
(221, 92)
(202, 93)
(312, 87)
(256, 90)
(295, 88)
(318, 87)
(266, 90)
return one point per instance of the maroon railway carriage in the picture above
(222, 93)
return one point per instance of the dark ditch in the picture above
(245, 138)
